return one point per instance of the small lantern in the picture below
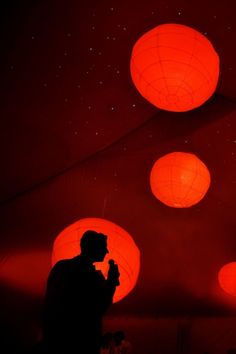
(227, 278)
(179, 179)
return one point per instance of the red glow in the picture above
(26, 271)
(179, 179)
(120, 245)
(174, 67)
(227, 278)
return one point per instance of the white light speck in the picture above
(96, 133)
(76, 133)
(89, 108)
(133, 105)
(90, 49)
(112, 8)
(99, 53)
(100, 82)
(124, 28)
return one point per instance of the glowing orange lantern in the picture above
(179, 179)
(174, 67)
(227, 278)
(121, 248)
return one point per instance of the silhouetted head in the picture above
(94, 245)
(118, 337)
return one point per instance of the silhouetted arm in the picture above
(108, 285)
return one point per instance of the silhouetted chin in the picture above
(99, 259)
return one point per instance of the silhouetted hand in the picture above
(113, 272)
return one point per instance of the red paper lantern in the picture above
(121, 248)
(179, 179)
(174, 67)
(227, 278)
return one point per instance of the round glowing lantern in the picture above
(121, 246)
(227, 278)
(179, 179)
(174, 67)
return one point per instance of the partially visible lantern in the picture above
(174, 67)
(179, 179)
(121, 246)
(227, 278)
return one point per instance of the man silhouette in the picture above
(77, 297)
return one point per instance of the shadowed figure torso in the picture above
(76, 298)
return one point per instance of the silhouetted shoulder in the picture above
(59, 272)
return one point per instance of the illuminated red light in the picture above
(174, 67)
(179, 179)
(121, 246)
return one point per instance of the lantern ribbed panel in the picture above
(174, 67)
(121, 248)
(179, 179)
(227, 278)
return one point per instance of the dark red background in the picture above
(78, 140)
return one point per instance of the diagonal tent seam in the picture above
(73, 165)
(63, 171)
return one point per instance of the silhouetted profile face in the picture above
(94, 245)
